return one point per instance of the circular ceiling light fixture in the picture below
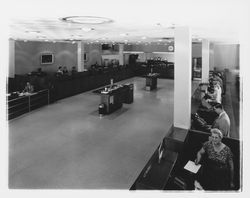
(93, 20)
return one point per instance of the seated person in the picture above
(222, 122)
(28, 88)
(206, 111)
(205, 104)
(218, 168)
(216, 95)
(65, 71)
(73, 71)
(59, 72)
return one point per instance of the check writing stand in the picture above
(111, 99)
(151, 80)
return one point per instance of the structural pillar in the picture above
(121, 56)
(211, 56)
(182, 77)
(80, 56)
(11, 58)
(205, 61)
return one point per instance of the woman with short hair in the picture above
(218, 168)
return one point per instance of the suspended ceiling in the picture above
(131, 21)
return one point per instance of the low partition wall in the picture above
(26, 103)
(65, 86)
(69, 85)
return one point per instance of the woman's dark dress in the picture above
(216, 170)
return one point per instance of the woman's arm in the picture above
(231, 166)
(199, 155)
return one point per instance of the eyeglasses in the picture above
(214, 137)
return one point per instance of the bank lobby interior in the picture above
(121, 116)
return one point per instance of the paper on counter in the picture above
(190, 166)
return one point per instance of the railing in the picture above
(27, 103)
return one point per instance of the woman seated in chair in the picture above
(218, 169)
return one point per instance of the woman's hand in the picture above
(196, 161)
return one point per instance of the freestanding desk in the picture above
(113, 97)
(151, 81)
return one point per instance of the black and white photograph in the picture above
(125, 97)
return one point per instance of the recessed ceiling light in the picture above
(86, 29)
(32, 32)
(41, 37)
(124, 34)
(86, 20)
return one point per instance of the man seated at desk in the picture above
(59, 72)
(73, 71)
(216, 95)
(28, 88)
(222, 122)
(65, 71)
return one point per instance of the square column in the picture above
(121, 57)
(80, 56)
(11, 58)
(182, 77)
(205, 61)
(211, 56)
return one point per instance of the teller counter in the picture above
(19, 104)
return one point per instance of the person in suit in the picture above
(59, 72)
(65, 71)
(222, 122)
(216, 95)
(73, 71)
(28, 88)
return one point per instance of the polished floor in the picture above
(67, 145)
